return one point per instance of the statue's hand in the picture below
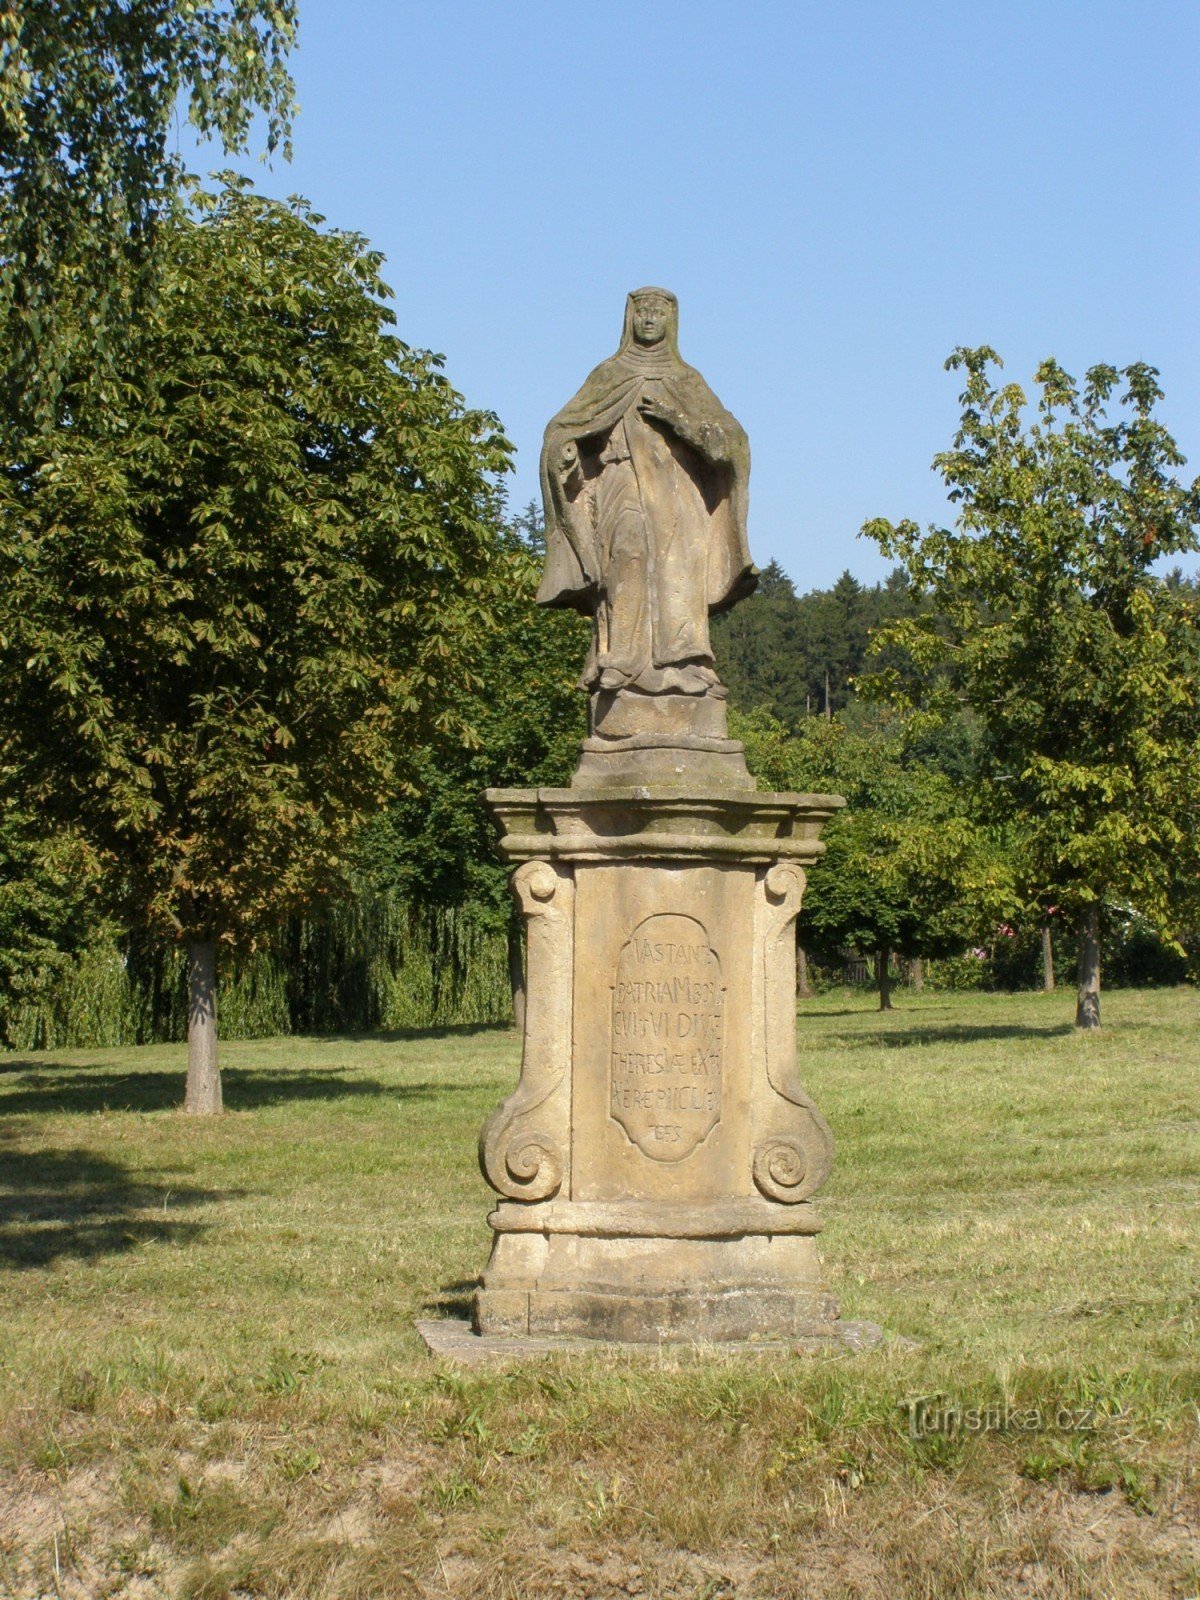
(651, 406)
(713, 442)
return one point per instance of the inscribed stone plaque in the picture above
(667, 1037)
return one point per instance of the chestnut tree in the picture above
(234, 596)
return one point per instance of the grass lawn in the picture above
(210, 1384)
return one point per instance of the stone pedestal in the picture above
(658, 1158)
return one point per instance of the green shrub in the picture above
(969, 971)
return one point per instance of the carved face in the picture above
(650, 315)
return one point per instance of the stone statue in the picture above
(658, 1160)
(644, 480)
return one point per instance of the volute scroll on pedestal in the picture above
(524, 1143)
(794, 1156)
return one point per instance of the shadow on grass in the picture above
(56, 1203)
(965, 1033)
(450, 1030)
(453, 1299)
(87, 1089)
(866, 1010)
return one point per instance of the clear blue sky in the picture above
(838, 194)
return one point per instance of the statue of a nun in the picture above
(644, 480)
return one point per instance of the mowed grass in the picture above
(210, 1384)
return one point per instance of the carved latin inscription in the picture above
(667, 1037)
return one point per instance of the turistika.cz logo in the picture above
(938, 1414)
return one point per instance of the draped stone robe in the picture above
(646, 517)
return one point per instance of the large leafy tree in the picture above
(88, 97)
(234, 599)
(1047, 620)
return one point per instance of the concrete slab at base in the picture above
(675, 1316)
(453, 1339)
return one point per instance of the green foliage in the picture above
(49, 923)
(1080, 666)
(373, 960)
(959, 973)
(78, 999)
(234, 606)
(1133, 952)
(527, 713)
(772, 750)
(88, 97)
(367, 961)
(797, 655)
(906, 869)
(1136, 954)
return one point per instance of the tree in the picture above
(1047, 621)
(756, 649)
(528, 715)
(88, 97)
(797, 655)
(233, 600)
(906, 871)
(48, 917)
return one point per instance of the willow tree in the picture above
(89, 97)
(1047, 619)
(233, 597)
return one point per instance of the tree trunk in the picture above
(828, 707)
(1047, 959)
(918, 975)
(803, 991)
(883, 978)
(516, 973)
(203, 1073)
(1087, 1007)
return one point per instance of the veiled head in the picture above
(651, 320)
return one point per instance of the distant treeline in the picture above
(797, 656)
